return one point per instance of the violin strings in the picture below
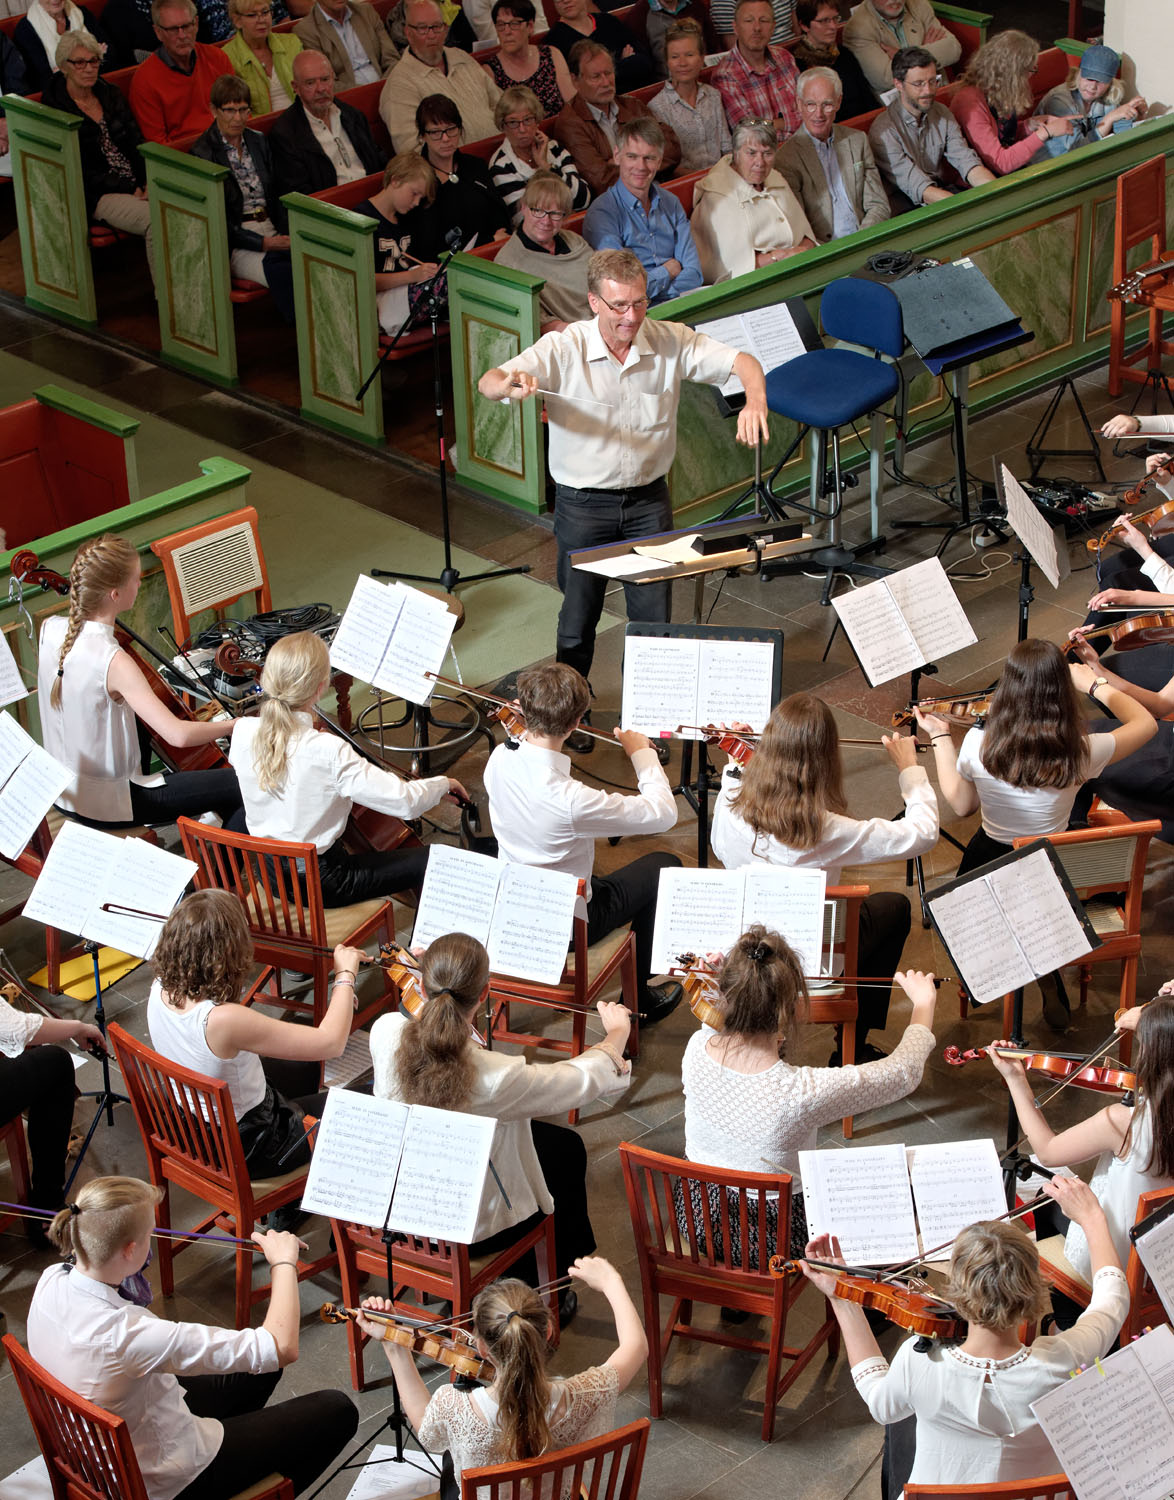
(548, 1286)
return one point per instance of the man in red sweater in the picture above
(169, 92)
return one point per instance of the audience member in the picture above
(526, 150)
(169, 92)
(114, 175)
(577, 19)
(634, 214)
(724, 12)
(587, 126)
(994, 103)
(258, 241)
(353, 37)
(819, 46)
(217, 25)
(918, 145)
(429, 67)
(261, 56)
(744, 214)
(405, 241)
(320, 141)
(755, 80)
(540, 247)
(40, 29)
(1092, 99)
(519, 62)
(128, 23)
(650, 21)
(465, 196)
(830, 168)
(694, 110)
(878, 29)
(13, 80)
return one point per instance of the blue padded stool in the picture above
(825, 389)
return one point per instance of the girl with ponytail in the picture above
(524, 1413)
(746, 1106)
(300, 785)
(190, 1394)
(538, 1168)
(91, 692)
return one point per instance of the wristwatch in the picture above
(1092, 689)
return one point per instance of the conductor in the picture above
(613, 386)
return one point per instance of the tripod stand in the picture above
(105, 1096)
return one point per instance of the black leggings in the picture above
(299, 1438)
(563, 1159)
(347, 878)
(40, 1081)
(181, 794)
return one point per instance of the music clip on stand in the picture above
(106, 1096)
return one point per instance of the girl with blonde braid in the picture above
(300, 785)
(524, 1413)
(92, 692)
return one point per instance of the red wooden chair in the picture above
(13, 1138)
(191, 1138)
(88, 1451)
(605, 1468)
(718, 1258)
(438, 1268)
(211, 566)
(1141, 217)
(1051, 1487)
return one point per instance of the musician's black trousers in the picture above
(187, 794)
(347, 878)
(563, 1159)
(885, 919)
(40, 1081)
(299, 1438)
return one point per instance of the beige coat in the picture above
(317, 34)
(732, 221)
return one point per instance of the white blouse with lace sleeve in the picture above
(16, 1029)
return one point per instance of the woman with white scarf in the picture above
(43, 25)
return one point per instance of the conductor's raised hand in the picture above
(507, 385)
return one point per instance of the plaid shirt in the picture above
(767, 95)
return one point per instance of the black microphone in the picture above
(454, 239)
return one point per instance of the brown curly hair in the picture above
(204, 950)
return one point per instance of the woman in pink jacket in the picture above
(994, 104)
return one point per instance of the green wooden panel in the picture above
(338, 327)
(51, 211)
(493, 317)
(196, 329)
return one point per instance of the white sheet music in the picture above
(955, 1184)
(27, 796)
(769, 333)
(86, 868)
(697, 911)
(974, 929)
(442, 1174)
(365, 629)
(354, 1061)
(15, 744)
(789, 901)
(902, 622)
(356, 1155)
(1113, 1425)
(418, 644)
(1156, 1250)
(862, 1197)
(1033, 531)
(673, 680)
(458, 895)
(381, 1478)
(1046, 928)
(12, 685)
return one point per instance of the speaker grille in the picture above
(217, 569)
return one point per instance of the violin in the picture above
(508, 714)
(1101, 1078)
(739, 747)
(1153, 629)
(916, 1311)
(1158, 522)
(966, 709)
(457, 1349)
(701, 989)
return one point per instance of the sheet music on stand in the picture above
(392, 635)
(773, 335)
(904, 621)
(1112, 1424)
(1012, 921)
(30, 782)
(707, 911)
(698, 674)
(1153, 1239)
(1030, 527)
(12, 684)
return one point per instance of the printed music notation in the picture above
(673, 680)
(391, 636)
(30, 782)
(707, 911)
(901, 622)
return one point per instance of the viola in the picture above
(916, 1311)
(1154, 629)
(965, 709)
(1158, 522)
(1075, 1071)
(508, 714)
(701, 990)
(456, 1349)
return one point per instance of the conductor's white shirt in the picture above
(324, 778)
(613, 426)
(542, 816)
(126, 1359)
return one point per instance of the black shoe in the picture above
(663, 749)
(568, 1306)
(1057, 1011)
(660, 1000)
(835, 1060)
(866, 1053)
(735, 1315)
(578, 743)
(286, 1219)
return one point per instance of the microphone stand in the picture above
(449, 577)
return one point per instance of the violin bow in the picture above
(1084, 1062)
(1012, 1213)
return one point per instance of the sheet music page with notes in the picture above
(1156, 1250)
(902, 622)
(532, 923)
(932, 610)
(1112, 1425)
(442, 1173)
(365, 629)
(1036, 905)
(660, 684)
(981, 942)
(791, 902)
(78, 864)
(356, 1157)
(12, 684)
(769, 333)
(955, 1184)
(143, 876)
(1033, 531)
(697, 911)
(458, 895)
(15, 744)
(419, 641)
(735, 682)
(27, 795)
(862, 1197)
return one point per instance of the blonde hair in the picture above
(1001, 71)
(513, 1321)
(434, 1063)
(109, 1213)
(100, 567)
(294, 671)
(995, 1279)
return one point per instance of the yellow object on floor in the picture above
(77, 976)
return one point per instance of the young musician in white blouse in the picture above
(525, 1412)
(787, 807)
(543, 816)
(435, 1058)
(92, 693)
(746, 1107)
(192, 1395)
(300, 784)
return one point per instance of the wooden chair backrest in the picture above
(605, 1468)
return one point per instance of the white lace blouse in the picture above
(465, 1422)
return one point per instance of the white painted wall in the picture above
(1142, 32)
